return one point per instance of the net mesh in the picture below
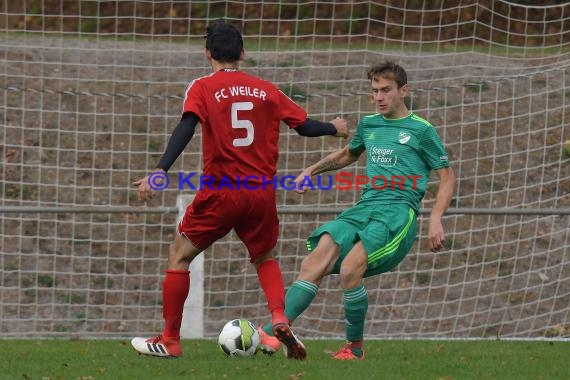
(91, 91)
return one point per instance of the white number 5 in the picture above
(245, 124)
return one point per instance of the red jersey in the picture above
(240, 116)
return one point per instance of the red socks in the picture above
(175, 288)
(271, 281)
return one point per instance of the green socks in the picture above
(355, 308)
(300, 295)
(297, 299)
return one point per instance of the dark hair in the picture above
(389, 70)
(224, 42)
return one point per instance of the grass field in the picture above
(438, 360)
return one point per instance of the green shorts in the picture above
(387, 233)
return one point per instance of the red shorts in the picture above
(251, 213)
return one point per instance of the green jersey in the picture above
(400, 155)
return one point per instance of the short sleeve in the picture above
(290, 112)
(194, 101)
(432, 150)
(356, 145)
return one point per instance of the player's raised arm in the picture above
(180, 137)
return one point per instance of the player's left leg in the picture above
(259, 229)
(328, 244)
(383, 244)
(355, 299)
(271, 280)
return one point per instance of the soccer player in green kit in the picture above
(374, 235)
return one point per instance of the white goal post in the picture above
(91, 92)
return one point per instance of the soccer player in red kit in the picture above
(240, 117)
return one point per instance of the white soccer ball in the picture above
(239, 338)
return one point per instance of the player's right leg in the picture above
(299, 297)
(158, 346)
(175, 289)
(259, 230)
(268, 344)
(203, 223)
(384, 243)
(293, 347)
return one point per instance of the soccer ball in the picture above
(239, 338)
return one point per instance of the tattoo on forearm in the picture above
(328, 165)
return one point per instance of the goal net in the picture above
(91, 90)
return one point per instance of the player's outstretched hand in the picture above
(300, 180)
(144, 188)
(341, 126)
